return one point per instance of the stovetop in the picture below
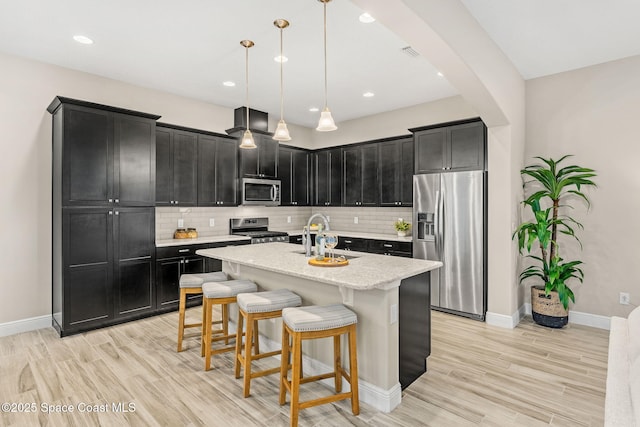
(261, 233)
(257, 229)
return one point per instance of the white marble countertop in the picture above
(365, 271)
(375, 236)
(198, 240)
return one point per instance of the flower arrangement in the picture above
(402, 226)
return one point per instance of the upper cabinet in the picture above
(260, 162)
(328, 177)
(450, 148)
(107, 157)
(177, 166)
(293, 172)
(396, 172)
(360, 175)
(217, 166)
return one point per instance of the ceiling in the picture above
(190, 48)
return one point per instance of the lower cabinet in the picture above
(172, 262)
(103, 267)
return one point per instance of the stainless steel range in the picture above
(257, 229)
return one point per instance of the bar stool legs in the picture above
(181, 313)
(298, 326)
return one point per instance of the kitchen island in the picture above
(389, 294)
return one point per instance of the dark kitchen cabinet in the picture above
(396, 172)
(456, 147)
(360, 175)
(293, 173)
(353, 244)
(176, 166)
(103, 219)
(391, 247)
(217, 166)
(106, 267)
(108, 157)
(173, 261)
(328, 177)
(261, 161)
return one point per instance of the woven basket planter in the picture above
(547, 310)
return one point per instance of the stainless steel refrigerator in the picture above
(449, 225)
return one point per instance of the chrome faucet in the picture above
(306, 233)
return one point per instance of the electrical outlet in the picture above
(355, 219)
(181, 223)
(212, 222)
(625, 298)
(288, 220)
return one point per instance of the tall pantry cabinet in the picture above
(103, 215)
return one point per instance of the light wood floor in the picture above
(478, 375)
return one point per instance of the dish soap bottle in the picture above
(319, 244)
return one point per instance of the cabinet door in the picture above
(390, 163)
(134, 160)
(406, 172)
(164, 167)
(134, 234)
(466, 147)
(335, 177)
(87, 269)
(226, 172)
(87, 163)
(322, 181)
(300, 177)
(352, 176)
(268, 156)
(207, 159)
(369, 175)
(285, 173)
(185, 173)
(167, 282)
(429, 150)
(249, 161)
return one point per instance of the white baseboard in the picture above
(580, 318)
(381, 399)
(25, 325)
(503, 320)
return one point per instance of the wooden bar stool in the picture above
(192, 284)
(223, 293)
(251, 308)
(312, 322)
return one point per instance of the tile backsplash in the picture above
(374, 220)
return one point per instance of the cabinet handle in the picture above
(110, 200)
(110, 212)
(176, 202)
(387, 245)
(348, 241)
(181, 261)
(186, 261)
(184, 250)
(117, 212)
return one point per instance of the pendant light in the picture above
(326, 122)
(282, 133)
(247, 138)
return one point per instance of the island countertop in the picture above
(365, 271)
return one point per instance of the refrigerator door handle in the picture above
(441, 223)
(436, 225)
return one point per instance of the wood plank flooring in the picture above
(477, 375)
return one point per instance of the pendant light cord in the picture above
(325, 55)
(281, 80)
(247, 80)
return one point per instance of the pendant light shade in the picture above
(281, 133)
(247, 139)
(326, 122)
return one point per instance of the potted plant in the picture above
(552, 187)
(402, 227)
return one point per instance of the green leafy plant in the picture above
(402, 225)
(553, 185)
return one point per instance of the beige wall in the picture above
(592, 113)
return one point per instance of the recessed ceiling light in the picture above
(314, 109)
(82, 39)
(440, 74)
(281, 58)
(368, 94)
(365, 18)
(229, 83)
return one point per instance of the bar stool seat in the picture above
(191, 284)
(251, 308)
(223, 293)
(314, 322)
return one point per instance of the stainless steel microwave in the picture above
(261, 192)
